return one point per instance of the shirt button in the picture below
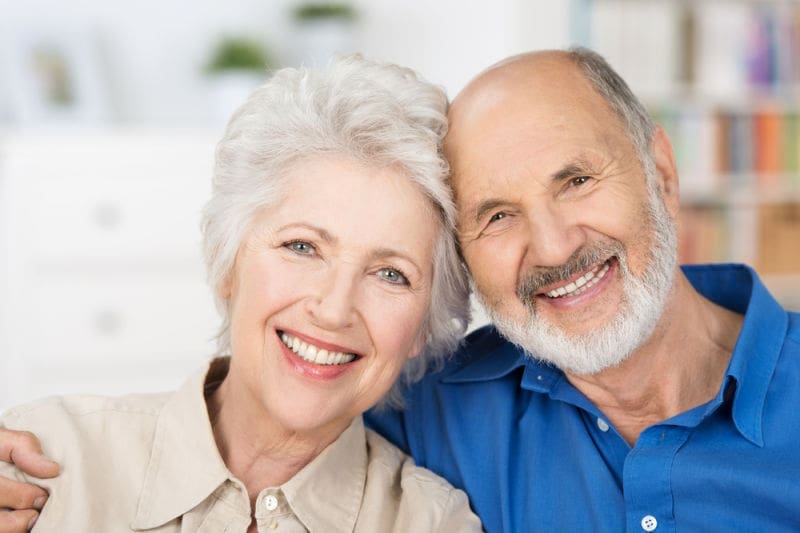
(649, 523)
(602, 424)
(271, 502)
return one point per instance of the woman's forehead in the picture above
(342, 200)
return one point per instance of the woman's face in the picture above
(328, 295)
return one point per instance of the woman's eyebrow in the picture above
(323, 233)
(389, 253)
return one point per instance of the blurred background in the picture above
(109, 113)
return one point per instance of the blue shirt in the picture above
(535, 455)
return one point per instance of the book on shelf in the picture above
(720, 151)
(717, 47)
(778, 237)
(702, 234)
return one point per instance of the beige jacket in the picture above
(150, 463)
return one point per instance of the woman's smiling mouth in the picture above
(314, 354)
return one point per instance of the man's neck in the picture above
(679, 367)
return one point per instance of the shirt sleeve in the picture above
(458, 516)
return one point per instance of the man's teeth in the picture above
(576, 287)
(313, 354)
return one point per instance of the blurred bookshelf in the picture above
(723, 78)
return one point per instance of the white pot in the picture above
(317, 40)
(229, 90)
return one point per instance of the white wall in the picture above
(450, 40)
(151, 52)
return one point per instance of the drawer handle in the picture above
(108, 322)
(107, 216)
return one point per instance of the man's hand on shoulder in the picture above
(20, 502)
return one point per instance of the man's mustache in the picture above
(534, 279)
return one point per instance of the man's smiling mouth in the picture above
(581, 284)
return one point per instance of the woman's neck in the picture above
(258, 451)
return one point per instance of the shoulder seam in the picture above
(56, 402)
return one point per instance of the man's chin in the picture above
(579, 354)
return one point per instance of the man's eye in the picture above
(393, 276)
(577, 182)
(300, 247)
(497, 216)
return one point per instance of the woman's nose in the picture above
(333, 304)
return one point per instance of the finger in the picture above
(23, 449)
(16, 495)
(17, 521)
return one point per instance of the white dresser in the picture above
(102, 288)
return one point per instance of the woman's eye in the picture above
(497, 216)
(300, 247)
(393, 276)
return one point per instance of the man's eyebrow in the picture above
(581, 165)
(486, 205)
(570, 170)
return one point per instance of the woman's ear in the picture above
(224, 288)
(418, 346)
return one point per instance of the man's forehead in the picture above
(530, 145)
(528, 75)
(508, 106)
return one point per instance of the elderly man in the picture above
(633, 395)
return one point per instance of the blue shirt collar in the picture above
(488, 356)
(755, 355)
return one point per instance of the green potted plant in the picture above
(239, 54)
(236, 66)
(309, 12)
(323, 29)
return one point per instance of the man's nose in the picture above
(554, 236)
(332, 306)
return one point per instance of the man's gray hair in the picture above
(376, 114)
(634, 116)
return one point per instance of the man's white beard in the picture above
(644, 301)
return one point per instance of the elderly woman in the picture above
(330, 249)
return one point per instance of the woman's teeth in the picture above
(313, 354)
(578, 286)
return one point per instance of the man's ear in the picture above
(666, 170)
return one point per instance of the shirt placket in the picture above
(273, 513)
(647, 479)
(229, 511)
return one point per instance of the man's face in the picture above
(569, 250)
